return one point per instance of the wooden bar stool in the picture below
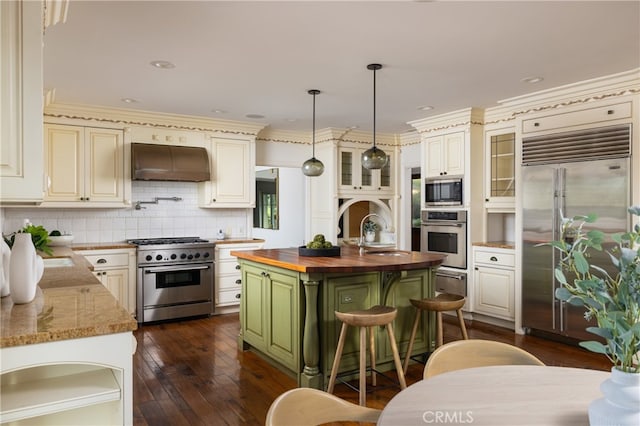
(441, 303)
(367, 319)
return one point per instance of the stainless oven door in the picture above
(446, 238)
(176, 284)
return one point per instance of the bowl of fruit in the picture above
(319, 247)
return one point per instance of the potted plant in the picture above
(370, 228)
(614, 302)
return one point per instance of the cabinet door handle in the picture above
(610, 112)
(493, 259)
(102, 260)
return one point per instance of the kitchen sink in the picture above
(57, 262)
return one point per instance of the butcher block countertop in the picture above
(70, 303)
(349, 260)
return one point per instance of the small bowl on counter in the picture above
(61, 240)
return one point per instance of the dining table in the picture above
(498, 395)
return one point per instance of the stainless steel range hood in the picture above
(168, 162)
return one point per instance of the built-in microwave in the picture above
(443, 191)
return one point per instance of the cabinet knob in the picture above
(238, 282)
(238, 296)
(493, 259)
(610, 112)
(237, 266)
(102, 260)
(213, 200)
(263, 273)
(536, 124)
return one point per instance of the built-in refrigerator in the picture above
(569, 173)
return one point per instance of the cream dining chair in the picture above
(471, 353)
(311, 407)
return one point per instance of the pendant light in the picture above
(374, 158)
(313, 166)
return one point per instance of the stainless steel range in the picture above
(175, 278)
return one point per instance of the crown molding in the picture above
(329, 134)
(131, 117)
(450, 120)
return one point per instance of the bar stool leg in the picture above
(363, 366)
(396, 357)
(336, 359)
(439, 329)
(414, 330)
(372, 349)
(463, 328)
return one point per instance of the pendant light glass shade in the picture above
(313, 166)
(374, 158)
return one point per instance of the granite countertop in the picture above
(496, 244)
(70, 303)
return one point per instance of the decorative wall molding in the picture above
(55, 12)
(127, 117)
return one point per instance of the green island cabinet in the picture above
(289, 316)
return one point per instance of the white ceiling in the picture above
(262, 57)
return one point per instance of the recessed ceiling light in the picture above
(353, 127)
(128, 100)
(425, 108)
(291, 120)
(219, 111)
(162, 64)
(254, 116)
(532, 80)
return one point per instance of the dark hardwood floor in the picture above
(191, 373)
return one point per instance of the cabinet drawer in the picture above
(228, 267)
(225, 252)
(228, 297)
(108, 260)
(494, 258)
(577, 118)
(229, 282)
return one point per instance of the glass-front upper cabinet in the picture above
(353, 178)
(500, 156)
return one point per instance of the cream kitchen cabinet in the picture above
(228, 282)
(21, 102)
(84, 167)
(494, 282)
(116, 270)
(355, 179)
(444, 155)
(232, 181)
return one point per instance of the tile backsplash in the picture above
(166, 219)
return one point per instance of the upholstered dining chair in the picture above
(471, 353)
(311, 407)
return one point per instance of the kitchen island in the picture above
(288, 304)
(67, 356)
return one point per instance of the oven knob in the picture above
(206, 254)
(173, 257)
(159, 257)
(183, 256)
(149, 257)
(197, 255)
(190, 257)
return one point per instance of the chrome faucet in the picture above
(361, 240)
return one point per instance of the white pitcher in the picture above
(25, 269)
(5, 252)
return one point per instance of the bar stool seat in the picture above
(441, 303)
(366, 319)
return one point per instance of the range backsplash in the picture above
(165, 219)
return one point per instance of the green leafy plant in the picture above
(39, 236)
(614, 301)
(370, 226)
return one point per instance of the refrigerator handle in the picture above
(562, 204)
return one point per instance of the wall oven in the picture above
(445, 232)
(443, 191)
(175, 278)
